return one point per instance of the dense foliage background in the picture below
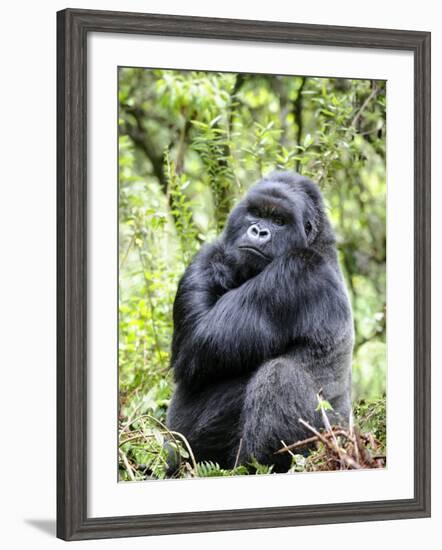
(190, 144)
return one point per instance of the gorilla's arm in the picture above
(222, 331)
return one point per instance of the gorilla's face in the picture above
(281, 214)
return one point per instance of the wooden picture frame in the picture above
(73, 27)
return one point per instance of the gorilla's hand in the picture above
(221, 268)
(226, 268)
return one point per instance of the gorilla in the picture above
(262, 324)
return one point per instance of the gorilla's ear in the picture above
(313, 192)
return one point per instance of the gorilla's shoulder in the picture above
(208, 256)
(214, 251)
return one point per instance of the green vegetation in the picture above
(190, 145)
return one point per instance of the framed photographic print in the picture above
(243, 274)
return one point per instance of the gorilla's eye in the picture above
(279, 220)
(308, 227)
(254, 212)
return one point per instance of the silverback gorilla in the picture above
(262, 323)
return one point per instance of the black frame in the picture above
(73, 27)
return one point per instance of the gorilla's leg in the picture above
(209, 419)
(277, 395)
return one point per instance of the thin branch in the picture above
(297, 113)
(326, 420)
(139, 136)
(342, 455)
(126, 464)
(172, 433)
(152, 309)
(126, 253)
(237, 454)
(367, 101)
(309, 441)
(287, 449)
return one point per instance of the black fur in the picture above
(262, 324)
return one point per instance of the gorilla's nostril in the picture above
(260, 234)
(253, 232)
